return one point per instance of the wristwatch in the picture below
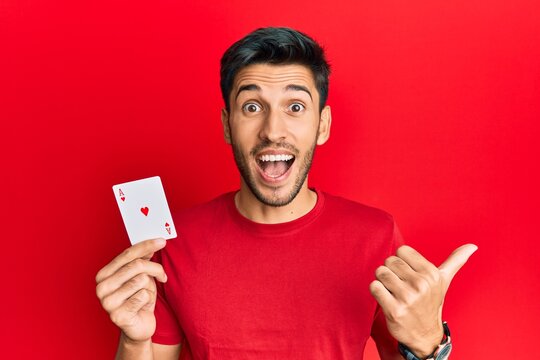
(441, 353)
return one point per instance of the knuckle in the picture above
(134, 302)
(382, 273)
(388, 261)
(141, 295)
(397, 313)
(137, 282)
(161, 270)
(117, 317)
(409, 298)
(393, 261)
(147, 294)
(402, 249)
(381, 269)
(421, 285)
(151, 284)
(114, 317)
(107, 303)
(142, 264)
(374, 287)
(126, 253)
(124, 256)
(136, 265)
(100, 291)
(151, 295)
(133, 268)
(99, 276)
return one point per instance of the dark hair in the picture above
(275, 45)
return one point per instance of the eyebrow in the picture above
(254, 87)
(293, 87)
(249, 87)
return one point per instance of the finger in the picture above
(399, 267)
(455, 261)
(148, 256)
(389, 280)
(128, 271)
(125, 315)
(382, 296)
(136, 251)
(415, 260)
(128, 289)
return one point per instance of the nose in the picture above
(274, 127)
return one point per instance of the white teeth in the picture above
(280, 157)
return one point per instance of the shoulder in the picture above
(354, 212)
(205, 211)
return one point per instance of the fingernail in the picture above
(161, 241)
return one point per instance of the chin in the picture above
(278, 196)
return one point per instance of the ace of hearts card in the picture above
(144, 209)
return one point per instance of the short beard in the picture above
(275, 201)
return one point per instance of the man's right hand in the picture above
(127, 290)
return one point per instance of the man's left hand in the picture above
(411, 291)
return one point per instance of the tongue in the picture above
(275, 168)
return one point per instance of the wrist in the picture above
(126, 340)
(134, 349)
(440, 352)
(428, 344)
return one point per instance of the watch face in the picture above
(444, 353)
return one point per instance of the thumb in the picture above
(455, 261)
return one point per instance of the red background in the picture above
(435, 106)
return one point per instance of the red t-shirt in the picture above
(238, 289)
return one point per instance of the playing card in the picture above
(144, 209)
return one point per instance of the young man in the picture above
(277, 270)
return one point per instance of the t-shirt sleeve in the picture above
(168, 330)
(397, 239)
(386, 344)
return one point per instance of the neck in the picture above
(250, 207)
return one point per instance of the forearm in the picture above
(129, 350)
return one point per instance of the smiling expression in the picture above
(274, 125)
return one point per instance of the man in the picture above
(277, 270)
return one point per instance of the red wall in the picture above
(436, 108)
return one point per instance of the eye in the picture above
(296, 107)
(251, 108)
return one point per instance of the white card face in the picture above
(144, 209)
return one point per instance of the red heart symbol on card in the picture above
(123, 198)
(145, 210)
(166, 224)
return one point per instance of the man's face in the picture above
(273, 126)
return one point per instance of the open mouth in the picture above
(275, 165)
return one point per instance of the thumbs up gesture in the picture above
(411, 291)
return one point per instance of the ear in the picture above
(324, 125)
(225, 123)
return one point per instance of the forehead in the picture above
(270, 75)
